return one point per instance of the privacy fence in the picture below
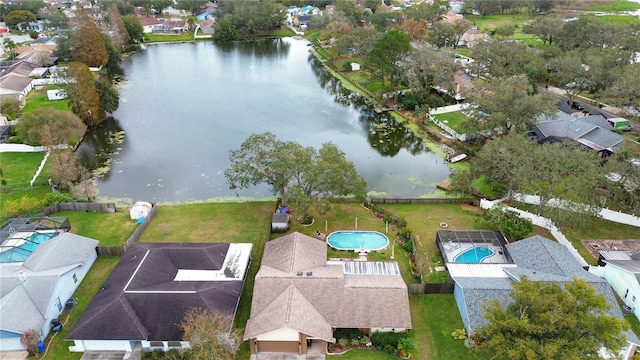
(120, 250)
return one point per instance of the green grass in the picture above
(621, 19)
(18, 168)
(434, 318)
(58, 348)
(158, 38)
(111, 229)
(486, 23)
(613, 6)
(456, 120)
(364, 355)
(37, 99)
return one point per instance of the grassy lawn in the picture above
(365, 355)
(18, 168)
(111, 229)
(153, 38)
(613, 6)
(486, 23)
(456, 120)
(434, 318)
(37, 99)
(58, 348)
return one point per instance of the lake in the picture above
(184, 106)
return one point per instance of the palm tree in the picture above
(10, 47)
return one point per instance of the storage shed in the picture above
(140, 210)
(280, 222)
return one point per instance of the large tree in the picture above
(84, 97)
(292, 169)
(386, 54)
(509, 103)
(426, 68)
(134, 27)
(512, 163)
(20, 18)
(210, 334)
(546, 28)
(50, 127)
(118, 29)
(547, 320)
(86, 43)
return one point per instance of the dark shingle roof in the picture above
(141, 300)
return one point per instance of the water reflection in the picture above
(263, 48)
(99, 147)
(384, 133)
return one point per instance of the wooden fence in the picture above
(78, 206)
(421, 289)
(120, 250)
(424, 201)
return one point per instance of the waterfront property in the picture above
(358, 240)
(491, 276)
(149, 292)
(34, 291)
(300, 298)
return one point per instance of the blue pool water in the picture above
(356, 240)
(22, 252)
(475, 255)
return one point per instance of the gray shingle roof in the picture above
(592, 131)
(27, 289)
(539, 259)
(154, 304)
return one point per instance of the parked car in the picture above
(577, 105)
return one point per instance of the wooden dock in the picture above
(379, 109)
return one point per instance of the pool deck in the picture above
(453, 251)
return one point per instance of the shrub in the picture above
(343, 342)
(406, 347)
(355, 342)
(405, 233)
(469, 343)
(365, 340)
(459, 334)
(382, 339)
(408, 246)
(20, 207)
(306, 220)
(30, 340)
(389, 349)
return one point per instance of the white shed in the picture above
(56, 94)
(140, 210)
(355, 66)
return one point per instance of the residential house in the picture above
(490, 276)
(300, 298)
(171, 27)
(624, 278)
(302, 21)
(207, 11)
(35, 291)
(15, 86)
(207, 25)
(149, 22)
(591, 131)
(37, 26)
(152, 288)
(473, 37)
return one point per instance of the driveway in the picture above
(13, 355)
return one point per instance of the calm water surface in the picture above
(184, 106)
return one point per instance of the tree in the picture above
(20, 18)
(210, 334)
(441, 35)
(551, 321)
(510, 223)
(459, 27)
(569, 73)
(512, 163)
(83, 94)
(506, 58)
(625, 90)
(426, 68)
(546, 28)
(50, 127)
(9, 106)
(56, 19)
(86, 43)
(65, 167)
(224, 31)
(109, 96)
(10, 47)
(119, 32)
(386, 53)
(510, 103)
(326, 174)
(134, 27)
(30, 340)
(416, 30)
(292, 169)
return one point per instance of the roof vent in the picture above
(22, 276)
(299, 273)
(309, 273)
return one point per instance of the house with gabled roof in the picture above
(152, 288)
(591, 131)
(300, 298)
(34, 292)
(537, 258)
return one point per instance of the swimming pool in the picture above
(21, 245)
(357, 240)
(475, 255)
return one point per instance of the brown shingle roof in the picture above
(295, 280)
